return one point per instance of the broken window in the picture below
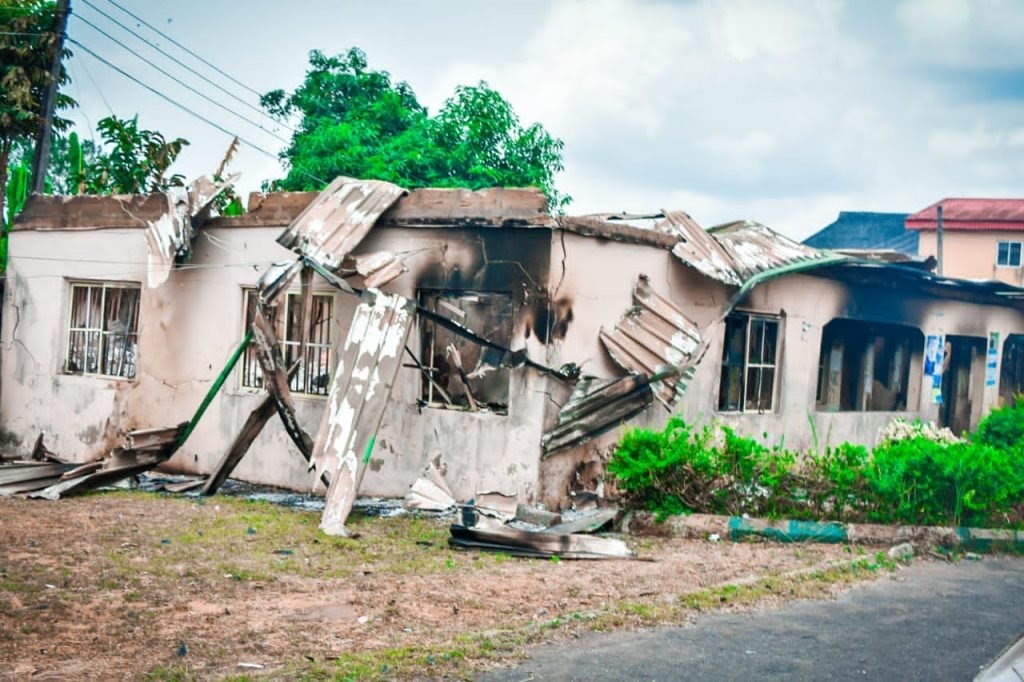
(313, 375)
(103, 333)
(1011, 369)
(458, 372)
(865, 366)
(1008, 254)
(749, 358)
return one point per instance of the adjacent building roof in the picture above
(866, 231)
(971, 214)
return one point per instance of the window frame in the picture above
(104, 286)
(427, 397)
(250, 375)
(775, 367)
(1009, 244)
(845, 348)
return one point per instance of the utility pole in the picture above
(938, 241)
(42, 156)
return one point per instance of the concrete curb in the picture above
(703, 526)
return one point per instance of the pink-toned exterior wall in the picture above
(972, 255)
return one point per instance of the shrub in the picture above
(1003, 427)
(917, 475)
(923, 482)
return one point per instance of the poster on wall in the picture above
(992, 360)
(933, 348)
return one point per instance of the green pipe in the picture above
(214, 390)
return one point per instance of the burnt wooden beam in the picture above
(243, 441)
(275, 379)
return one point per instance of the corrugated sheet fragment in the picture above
(698, 249)
(169, 237)
(368, 363)
(595, 407)
(338, 219)
(753, 248)
(654, 337)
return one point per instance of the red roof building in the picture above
(982, 238)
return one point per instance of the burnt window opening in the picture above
(1011, 369)
(749, 360)
(313, 376)
(103, 330)
(461, 373)
(1008, 254)
(865, 366)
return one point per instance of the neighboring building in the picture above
(982, 238)
(737, 323)
(867, 232)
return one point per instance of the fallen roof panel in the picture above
(652, 337)
(338, 219)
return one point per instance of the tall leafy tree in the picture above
(131, 160)
(354, 120)
(28, 41)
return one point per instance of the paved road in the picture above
(932, 621)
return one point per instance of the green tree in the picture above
(131, 160)
(355, 121)
(28, 40)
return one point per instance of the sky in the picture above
(783, 112)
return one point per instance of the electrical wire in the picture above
(188, 68)
(175, 42)
(177, 80)
(177, 104)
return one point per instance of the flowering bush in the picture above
(899, 429)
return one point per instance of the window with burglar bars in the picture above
(103, 330)
(749, 360)
(313, 376)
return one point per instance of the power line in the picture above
(187, 67)
(175, 42)
(176, 80)
(181, 106)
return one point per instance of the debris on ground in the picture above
(49, 477)
(430, 492)
(538, 544)
(902, 552)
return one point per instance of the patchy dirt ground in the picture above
(128, 585)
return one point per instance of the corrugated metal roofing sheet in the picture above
(753, 248)
(596, 406)
(654, 336)
(699, 249)
(730, 253)
(338, 219)
(962, 213)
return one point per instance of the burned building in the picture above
(392, 328)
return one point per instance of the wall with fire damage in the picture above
(189, 326)
(594, 288)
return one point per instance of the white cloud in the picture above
(964, 143)
(783, 111)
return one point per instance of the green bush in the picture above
(1003, 427)
(913, 480)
